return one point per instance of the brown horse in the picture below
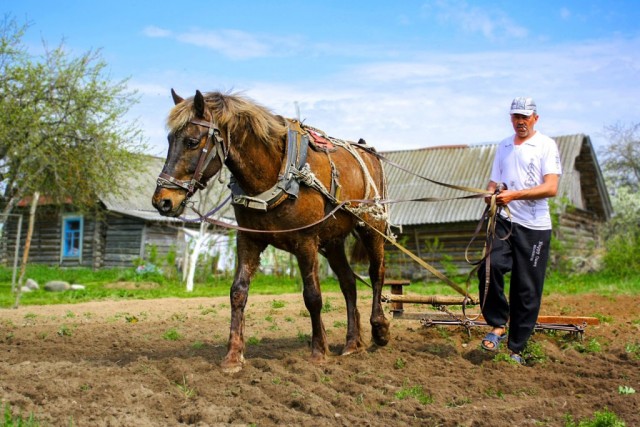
(283, 191)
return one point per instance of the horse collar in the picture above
(287, 185)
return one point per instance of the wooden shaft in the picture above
(426, 299)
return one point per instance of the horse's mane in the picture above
(237, 114)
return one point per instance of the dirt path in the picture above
(157, 363)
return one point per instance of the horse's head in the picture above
(196, 153)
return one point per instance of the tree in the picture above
(201, 239)
(621, 166)
(621, 157)
(62, 127)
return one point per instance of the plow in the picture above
(439, 311)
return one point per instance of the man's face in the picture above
(523, 125)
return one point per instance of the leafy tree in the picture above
(621, 157)
(62, 130)
(621, 167)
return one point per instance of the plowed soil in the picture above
(157, 363)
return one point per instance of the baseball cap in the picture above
(524, 106)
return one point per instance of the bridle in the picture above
(214, 145)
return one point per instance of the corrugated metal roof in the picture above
(470, 166)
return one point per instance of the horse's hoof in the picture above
(353, 348)
(232, 369)
(380, 333)
(318, 358)
(232, 366)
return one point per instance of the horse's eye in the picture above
(191, 142)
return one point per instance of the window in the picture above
(72, 237)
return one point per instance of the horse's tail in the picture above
(358, 251)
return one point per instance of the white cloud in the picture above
(442, 99)
(231, 43)
(156, 32)
(491, 23)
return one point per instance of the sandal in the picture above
(493, 339)
(517, 358)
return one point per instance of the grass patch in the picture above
(400, 363)
(604, 418)
(172, 335)
(12, 420)
(253, 341)
(186, 391)
(633, 349)
(275, 304)
(415, 392)
(120, 284)
(592, 346)
(534, 353)
(126, 284)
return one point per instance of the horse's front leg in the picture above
(307, 256)
(248, 261)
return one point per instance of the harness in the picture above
(288, 183)
(213, 146)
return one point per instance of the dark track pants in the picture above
(525, 254)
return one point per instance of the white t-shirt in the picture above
(524, 166)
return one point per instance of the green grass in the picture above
(124, 284)
(415, 392)
(99, 285)
(604, 418)
(12, 420)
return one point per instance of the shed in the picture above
(439, 232)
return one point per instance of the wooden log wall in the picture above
(123, 241)
(46, 242)
(163, 237)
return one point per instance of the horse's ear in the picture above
(177, 99)
(198, 103)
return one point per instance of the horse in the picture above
(288, 192)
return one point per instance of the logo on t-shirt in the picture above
(531, 182)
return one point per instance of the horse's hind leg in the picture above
(340, 265)
(307, 256)
(248, 262)
(374, 244)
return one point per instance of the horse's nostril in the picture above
(166, 206)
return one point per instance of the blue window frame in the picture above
(72, 237)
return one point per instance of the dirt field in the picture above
(157, 363)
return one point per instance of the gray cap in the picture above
(524, 106)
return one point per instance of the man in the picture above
(527, 167)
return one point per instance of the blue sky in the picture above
(401, 74)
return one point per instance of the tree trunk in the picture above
(201, 240)
(27, 246)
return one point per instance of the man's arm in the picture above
(548, 188)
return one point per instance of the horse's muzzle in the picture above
(165, 202)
